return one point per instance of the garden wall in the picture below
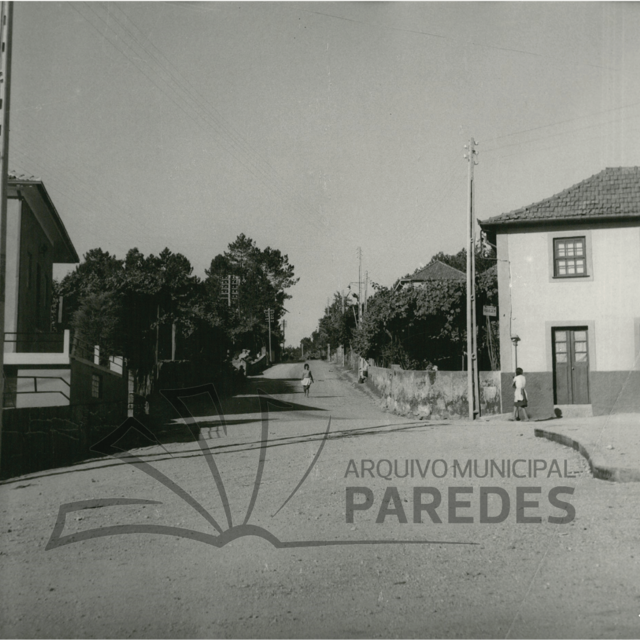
(434, 394)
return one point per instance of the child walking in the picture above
(307, 379)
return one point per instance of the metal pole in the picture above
(6, 19)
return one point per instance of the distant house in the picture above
(42, 368)
(569, 290)
(435, 271)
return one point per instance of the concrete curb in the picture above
(597, 465)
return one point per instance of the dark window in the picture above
(96, 386)
(569, 257)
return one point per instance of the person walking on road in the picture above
(307, 379)
(520, 400)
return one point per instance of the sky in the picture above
(315, 128)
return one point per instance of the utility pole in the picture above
(269, 315)
(366, 287)
(359, 285)
(6, 19)
(284, 324)
(472, 353)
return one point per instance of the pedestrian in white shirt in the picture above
(520, 400)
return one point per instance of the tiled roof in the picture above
(437, 271)
(612, 193)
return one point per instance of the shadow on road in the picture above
(195, 452)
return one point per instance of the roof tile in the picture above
(614, 192)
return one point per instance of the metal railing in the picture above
(20, 342)
(82, 349)
(11, 389)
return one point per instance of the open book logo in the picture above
(218, 536)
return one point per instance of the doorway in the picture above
(571, 365)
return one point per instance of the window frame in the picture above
(557, 258)
(569, 233)
(96, 377)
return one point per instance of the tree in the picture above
(426, 325)
(263, 279)
(98, 321)
(142, 298)
(97, 273)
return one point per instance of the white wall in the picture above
(14, 209)
(609, 301)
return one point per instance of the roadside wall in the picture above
(434, 394)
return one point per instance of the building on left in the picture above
(43, 368)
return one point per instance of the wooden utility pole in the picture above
(6, 19)
(359, 285)
(472, 353)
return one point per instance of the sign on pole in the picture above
(488, 310)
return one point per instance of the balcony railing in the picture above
(82, 349)
(55, 348)
(35, 342)
(18, 385)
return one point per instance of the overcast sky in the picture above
(315, 128)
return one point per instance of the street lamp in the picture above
(515, 340)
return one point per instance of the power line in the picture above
(228, 136)
(539, 149)
(554, 124)
(77, 187)
(457, 40)
(562, 133)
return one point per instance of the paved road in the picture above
(419, 579)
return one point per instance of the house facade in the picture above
(569, 296)
(42, 368)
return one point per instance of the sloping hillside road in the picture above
(149, 548)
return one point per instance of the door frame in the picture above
(570, 361)
(572, 325)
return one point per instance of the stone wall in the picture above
(434, 394)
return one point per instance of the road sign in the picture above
(488, 310)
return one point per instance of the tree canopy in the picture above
(263, 277)
(418, 327)
(147, 307)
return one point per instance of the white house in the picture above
(42, 368)
(569, 296)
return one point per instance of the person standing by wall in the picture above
(520, 400)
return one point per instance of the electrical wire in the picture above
(230, 141)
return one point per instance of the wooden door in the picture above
(571, 365)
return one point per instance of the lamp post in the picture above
(515, 340)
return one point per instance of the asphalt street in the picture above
(322, 517)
